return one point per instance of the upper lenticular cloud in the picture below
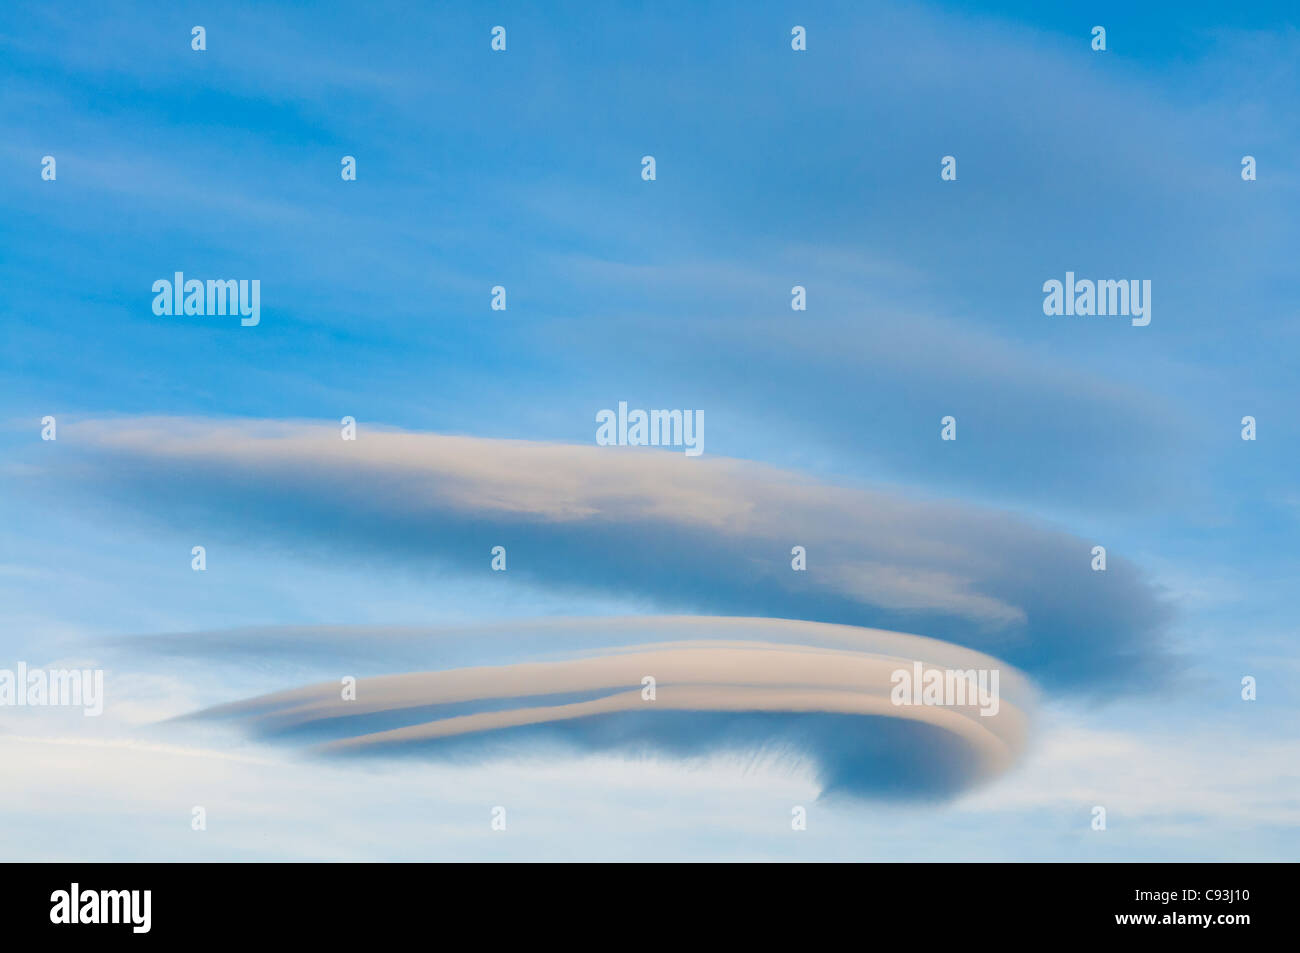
(817, 694)
(702, 534)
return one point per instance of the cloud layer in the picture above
(810, 694)
(700, 535)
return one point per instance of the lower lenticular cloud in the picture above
(826, 696)
(703, 534)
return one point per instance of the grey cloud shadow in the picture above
(850, 756)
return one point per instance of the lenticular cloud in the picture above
(708, 534)
(826, 697)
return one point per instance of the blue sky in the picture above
(774, 168)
